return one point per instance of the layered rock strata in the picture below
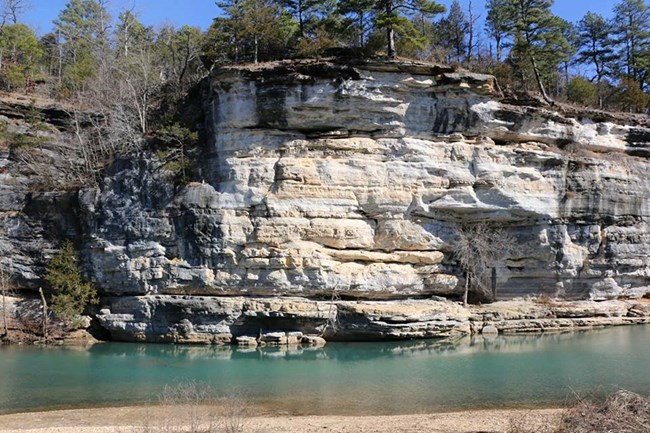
(335, 190)
(249, 321)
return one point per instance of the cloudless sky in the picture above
(201, 12)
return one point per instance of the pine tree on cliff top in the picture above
(392, 16)
(538, 35)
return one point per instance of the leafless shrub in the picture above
(193, 407)
(621, 412)
(478, 248)
(544, 299)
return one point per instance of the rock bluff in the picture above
(329, 202)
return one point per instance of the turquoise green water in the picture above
(355, 378)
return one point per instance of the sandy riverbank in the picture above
(134, 419)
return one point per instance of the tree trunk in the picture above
(44, 321)
(361, 30)
(466, 289)
(4, 310)
(255, 49)
(390, 32)
(538, 78)
(58, 42)
(301, 22)
(494, 284)
(470, 34)
(391, 42)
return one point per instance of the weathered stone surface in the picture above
(324, 181)
(330, 180)
(293, 321)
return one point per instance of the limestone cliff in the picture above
(331, 191)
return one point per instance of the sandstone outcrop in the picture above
(332, 192)
(250, 321)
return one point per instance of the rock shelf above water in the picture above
(325, 179)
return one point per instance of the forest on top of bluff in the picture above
(133, 76)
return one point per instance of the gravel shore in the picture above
(136, 419)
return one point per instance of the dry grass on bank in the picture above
(621, 412)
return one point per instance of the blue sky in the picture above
(200, 12)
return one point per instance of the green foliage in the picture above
(20, 52)
(582, 91)
(70, 293)
(176, 134)
(249, 31)
(356, 26)
(306, 13)
(27, 140)
(496, 24)
(453, 32)
(540, 43)
(632, 33)
(76, 74)
(393, 17)
(83, 27)
(320, 42)
(629, 97)
(177, 145)
(83, 24)
(596, 46)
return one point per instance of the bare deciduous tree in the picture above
(11, 10)
(4, 286)
(44, 314)
(478, 248)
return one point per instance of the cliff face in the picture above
(324, 181)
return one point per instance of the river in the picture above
(341, 378)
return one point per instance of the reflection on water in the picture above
(372, 378)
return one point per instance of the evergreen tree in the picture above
(496, 24)
(305, 12)
(392, 16)
(20, 53)
(567, 53)
(629, 97)
(358, 17)
(596, 47)
(50, 47)
(250, 30)
(261, 26)
(82, 27)
(232, 26)
(538, 36)
(70, 293)
(632, 30)
(453, 31)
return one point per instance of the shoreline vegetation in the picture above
(622, 411)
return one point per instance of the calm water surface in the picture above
(354, 378)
